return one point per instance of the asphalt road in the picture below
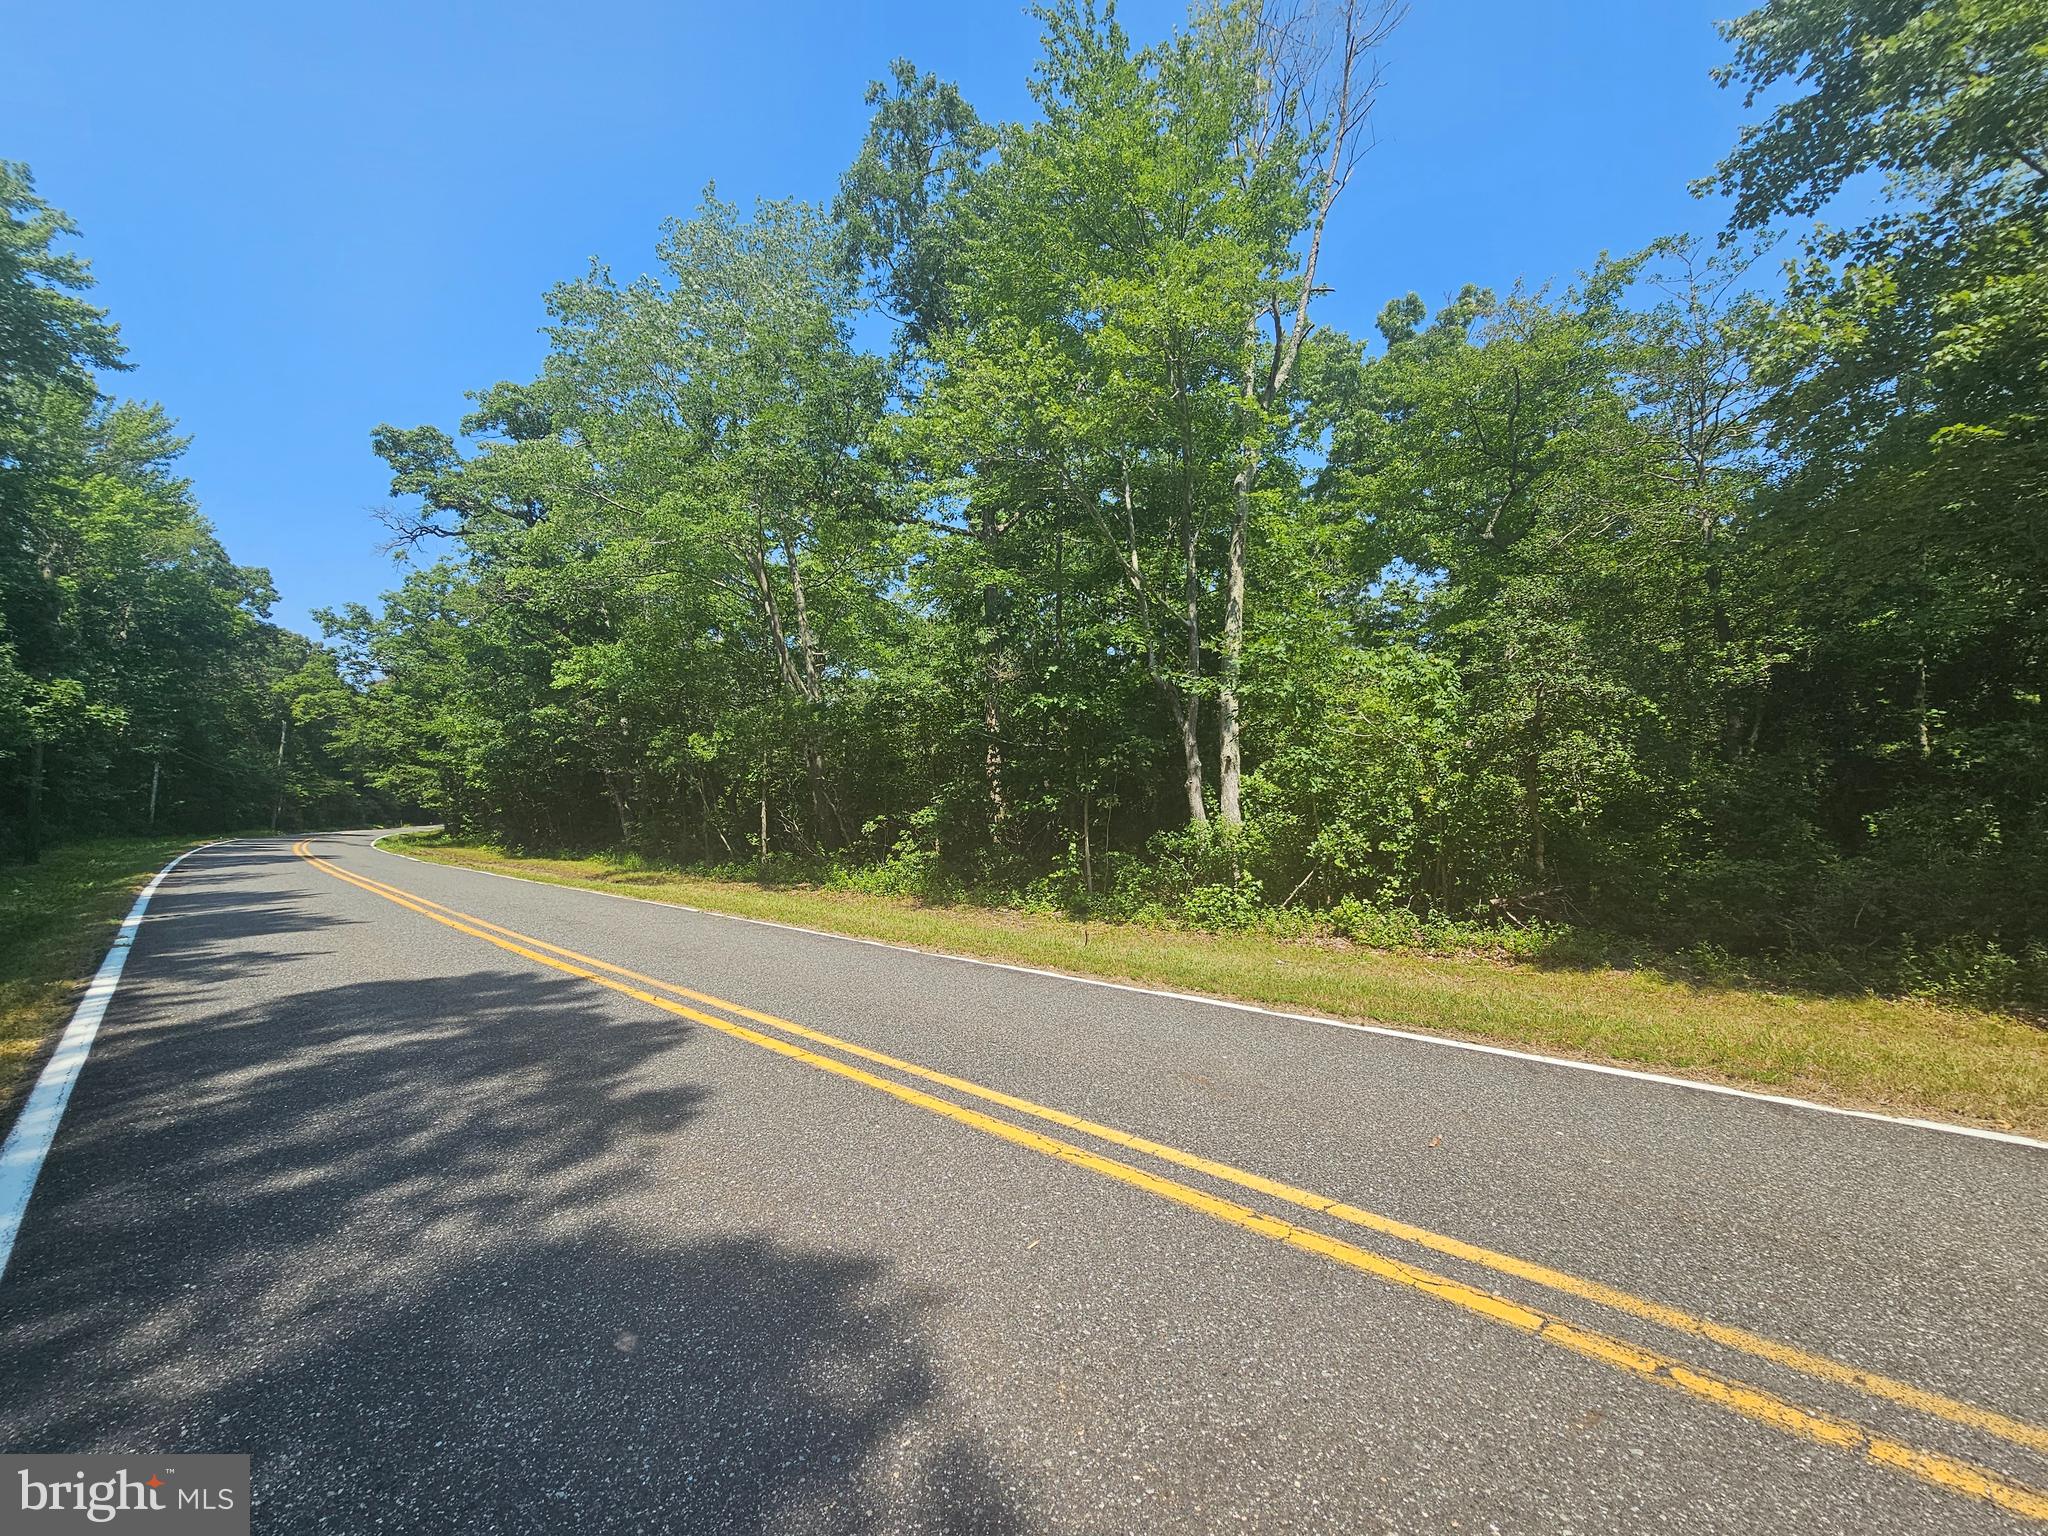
(454, 1237)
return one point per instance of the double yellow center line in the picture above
(1945, 1471)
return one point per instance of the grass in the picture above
(1902, 1056)
(56, 919)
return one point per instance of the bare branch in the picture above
(1321, 78)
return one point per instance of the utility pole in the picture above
(277, 811)
(156, 771)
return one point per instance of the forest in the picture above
(1015, 528)
(142, 686)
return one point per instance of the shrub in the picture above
(1977, 973)
(1221, 907)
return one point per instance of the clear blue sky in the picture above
(310, 219)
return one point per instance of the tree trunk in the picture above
(831, 822)
(1087, 853)
(1920, 709)
(806, 683)
(622, 806)
(1343, 79)
(825, 812)
(1190, 711)
(807, 643)
(711, 825)
(1184, 704)
(32, 851)
(1230, 765)
(277, 811)
(991, 685)
(992, 756)
(1191, 772)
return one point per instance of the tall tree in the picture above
(1317, 80)
(1908, 407)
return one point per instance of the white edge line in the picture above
(21, 1158)
(1978, 1132)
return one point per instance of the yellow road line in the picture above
(1987, 1421)
(1947, 1472)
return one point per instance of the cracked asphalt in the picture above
(451, 1240)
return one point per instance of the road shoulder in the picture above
(1952, 1068)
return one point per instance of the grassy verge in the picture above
(1905, 1057)
(56, 919)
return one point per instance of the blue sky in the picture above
(310, 219)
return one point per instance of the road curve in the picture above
(464, 1203)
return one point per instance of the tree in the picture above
(899, 200)
(1650, 601)
(49, 336)
(1137, 314)
(138, 672)
(689, 471)
(1317, 80)
(1907, 519)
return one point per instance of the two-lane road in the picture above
(465, 1203)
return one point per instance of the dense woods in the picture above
(140, 683)
(1017, 524)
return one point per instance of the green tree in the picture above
(1907, 522)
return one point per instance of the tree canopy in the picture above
(1701, 601)
(141, 683)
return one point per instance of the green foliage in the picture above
(1648, 615)
(140, 684)
(1948, 98)
(898, 200)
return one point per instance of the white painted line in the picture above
(2010, 1138)
(21, 1159)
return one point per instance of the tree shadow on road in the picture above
(394, 1239)
(222, 923)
